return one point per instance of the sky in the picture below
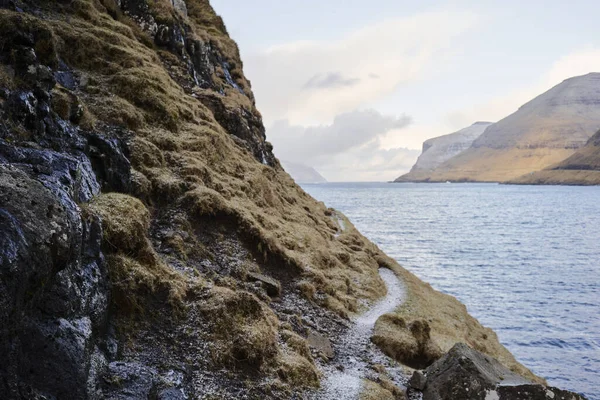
(353, 88)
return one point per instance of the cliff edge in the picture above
(438, 150)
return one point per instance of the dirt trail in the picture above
(355, 351)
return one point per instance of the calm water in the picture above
(524, 259)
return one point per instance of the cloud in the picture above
(301, 143)
(347, 149)
(364, 66)
(577, 63)
(329, 81)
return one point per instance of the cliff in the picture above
(438, 150)
(151, 245)
(543, 132)
(582, 168)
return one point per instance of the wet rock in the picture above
(53, 289)
(171, 394)
(417, 381)
(129, 380)
(272, 286)
(110, 162)
(533, 392)
(464, 373)
(321, 344)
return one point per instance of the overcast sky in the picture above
(353, 88)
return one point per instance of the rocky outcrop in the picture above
(464, 373)
(541, 133)
(582, 168)
(302, 173)
(438, 150)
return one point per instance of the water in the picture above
(524, 259)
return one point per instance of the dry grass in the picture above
(136, 271)
(244, 330)
(373, 391)
(495, 165)
(409, 344)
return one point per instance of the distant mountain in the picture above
(302, 173)
(541, 133)
(582, 168)
(440, 149)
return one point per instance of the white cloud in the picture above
(348, 73)
(347, 149)
(577, 63)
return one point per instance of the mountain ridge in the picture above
(542, 132)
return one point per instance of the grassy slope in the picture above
(183, 159)
(496, 165)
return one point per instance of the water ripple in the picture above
(524, 259)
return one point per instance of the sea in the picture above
(525, 260)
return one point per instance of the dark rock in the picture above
(272, 286)
(535, 392)
(466, 374)
(171, 394)
(109, 162)
(53, 288)
(129, 380)
(320, 343)
(417, 381)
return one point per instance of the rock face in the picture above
(151, 245)
(302, 173)
(438, 150)
(582, 168)
(543, 132)
(464, 373)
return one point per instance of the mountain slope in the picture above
(440, 149)
(151, 245)
(302, 173)
(582, 168)
(544, 131)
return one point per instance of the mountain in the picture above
(440, 149)
(302, 173)
(543, 132)
(582, 168)
(152, 246)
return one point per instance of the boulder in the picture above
(417, 381)
(320, 343)
(466, 374)
(272, 286)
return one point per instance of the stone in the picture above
(320, 343)
(130, 380)
(272, 286)
(417, 381)
(466, 374)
